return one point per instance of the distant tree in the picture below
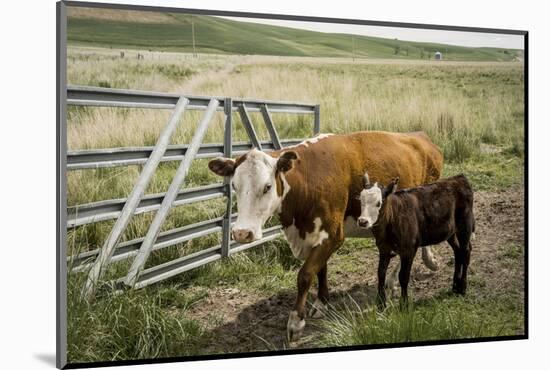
(396, 50)
(421, 53)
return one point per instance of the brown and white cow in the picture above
(314, 188)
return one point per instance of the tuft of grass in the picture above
(133, 325)
(447, 317)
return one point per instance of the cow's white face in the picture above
(254, 181)
(257, 199)
(371, 202)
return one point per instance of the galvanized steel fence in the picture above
(123, 209)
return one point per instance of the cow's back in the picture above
(329, 172)
(410, 156)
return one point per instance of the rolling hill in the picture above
(173, 32)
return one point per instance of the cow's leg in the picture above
(407, 257)
(316, 260)
(383, 262)
(429, 259)
(392, 281)
(453, 242)
(320, 304)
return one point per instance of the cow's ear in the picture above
(284, 163)
(222, 166)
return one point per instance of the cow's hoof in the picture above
(395, 291)
(429, 259)
(392, 287)
(318, 310)
(295, 326)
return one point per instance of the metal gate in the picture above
(123, 209)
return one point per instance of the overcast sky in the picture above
(473, 39)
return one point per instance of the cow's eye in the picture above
(378, 204)
(233, 186)
(267, 188)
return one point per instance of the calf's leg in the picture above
(383, 262)
(405, 272)
(466, 251)
(453, 242)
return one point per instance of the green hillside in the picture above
(173, 32)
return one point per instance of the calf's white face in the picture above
(372, 198)
(371, 202)
(254, 181)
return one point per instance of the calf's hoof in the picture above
(459, 288)
(295, 326)
(318, 309)
(380, 302)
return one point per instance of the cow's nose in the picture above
(243, 235)
(362, 222)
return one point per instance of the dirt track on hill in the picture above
(251, 322)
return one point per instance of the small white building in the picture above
(438, 55)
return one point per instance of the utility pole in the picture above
(193, 34)
(353, 47)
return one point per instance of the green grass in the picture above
(143, 324)
(444, 317)
(491, 172)
(224, 36)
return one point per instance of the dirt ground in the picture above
(246, 322)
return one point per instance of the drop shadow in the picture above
(46, 358)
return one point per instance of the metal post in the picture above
(227, 146)
(170, 196)
(270, 127)
(317, 122)
(249, 127)
(61, 188)
(133, 200)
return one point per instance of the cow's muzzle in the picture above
(243, 235)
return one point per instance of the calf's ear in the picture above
(391, 188)
(222, 166)
(284, 163)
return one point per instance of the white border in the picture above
(28, 86)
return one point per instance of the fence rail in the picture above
(107, 97)
(123, 209)
(112, 157)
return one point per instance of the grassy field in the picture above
(172, 32)
(473, 111)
